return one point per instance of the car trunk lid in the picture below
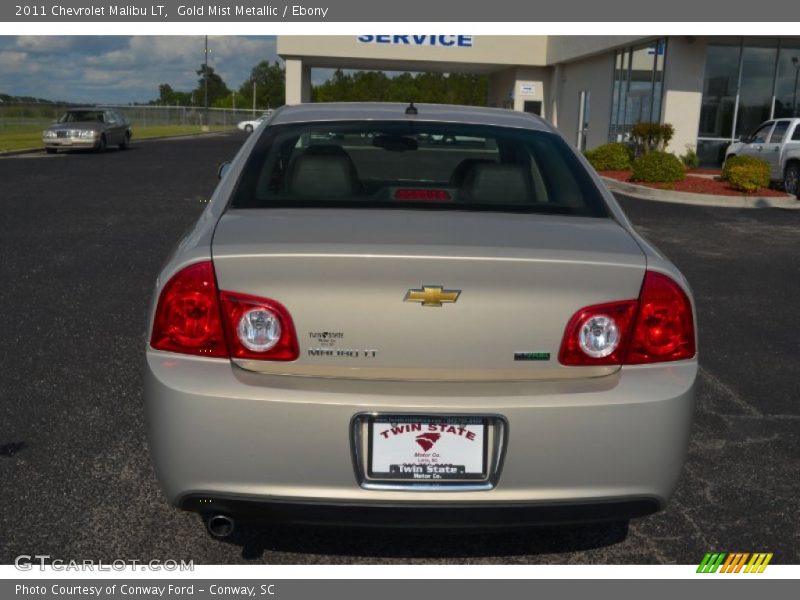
(363, 288)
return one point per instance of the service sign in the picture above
(441, 41)
(428, 449)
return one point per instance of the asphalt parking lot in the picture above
(82, 237)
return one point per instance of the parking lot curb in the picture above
(23, 151)
(135, 141)
(647, 193)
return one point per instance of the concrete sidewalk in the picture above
(648, 193)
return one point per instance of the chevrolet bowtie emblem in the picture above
(432, 295)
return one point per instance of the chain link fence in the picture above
(149, 116)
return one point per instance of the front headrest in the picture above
(498, 184)
(322, 176)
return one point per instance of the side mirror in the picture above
(223, 168)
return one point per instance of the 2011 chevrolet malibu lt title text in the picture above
(418, 315)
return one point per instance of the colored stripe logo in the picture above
(736, 562)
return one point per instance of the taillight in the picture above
(192, 317)
(664, 326)
(258, 328)
(597, 335)
(187, 316)
(658, 327)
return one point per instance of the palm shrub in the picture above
(652, 136)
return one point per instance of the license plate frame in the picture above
(490, 433)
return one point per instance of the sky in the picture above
(123, 69)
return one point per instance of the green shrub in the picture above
(652, 136)
(690, 160)
(758, 165)
(610, 157)
(750, 177)
(658, 167)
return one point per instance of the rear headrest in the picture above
(323, 176)
(464, 167)
(498, 184)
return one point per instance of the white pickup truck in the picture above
(778, 143)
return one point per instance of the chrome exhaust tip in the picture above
(220, 526)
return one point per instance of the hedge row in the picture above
(610, 157)
(658, 167)
(746, 173)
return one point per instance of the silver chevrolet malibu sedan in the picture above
(366, 326)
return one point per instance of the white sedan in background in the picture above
(249, 126)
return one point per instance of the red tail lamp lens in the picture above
(610, 323)
(259, 328)
(658, 327)
(187, 316)
(191, 314)
(665, 325)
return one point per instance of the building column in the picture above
(298, 81)
(683, 90)
(553, 98)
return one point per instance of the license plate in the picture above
(432, 449)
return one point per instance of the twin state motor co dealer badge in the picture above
(427, 449)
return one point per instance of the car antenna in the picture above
(411, 109)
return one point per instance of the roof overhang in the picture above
(434, 53)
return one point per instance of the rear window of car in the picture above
(416, 164)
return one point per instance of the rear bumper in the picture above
(420, 516)
(237, 439)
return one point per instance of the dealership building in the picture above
(592, 88)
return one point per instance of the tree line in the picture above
(8, 98)
(269, 79)
(377, 86)
(360, 86)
